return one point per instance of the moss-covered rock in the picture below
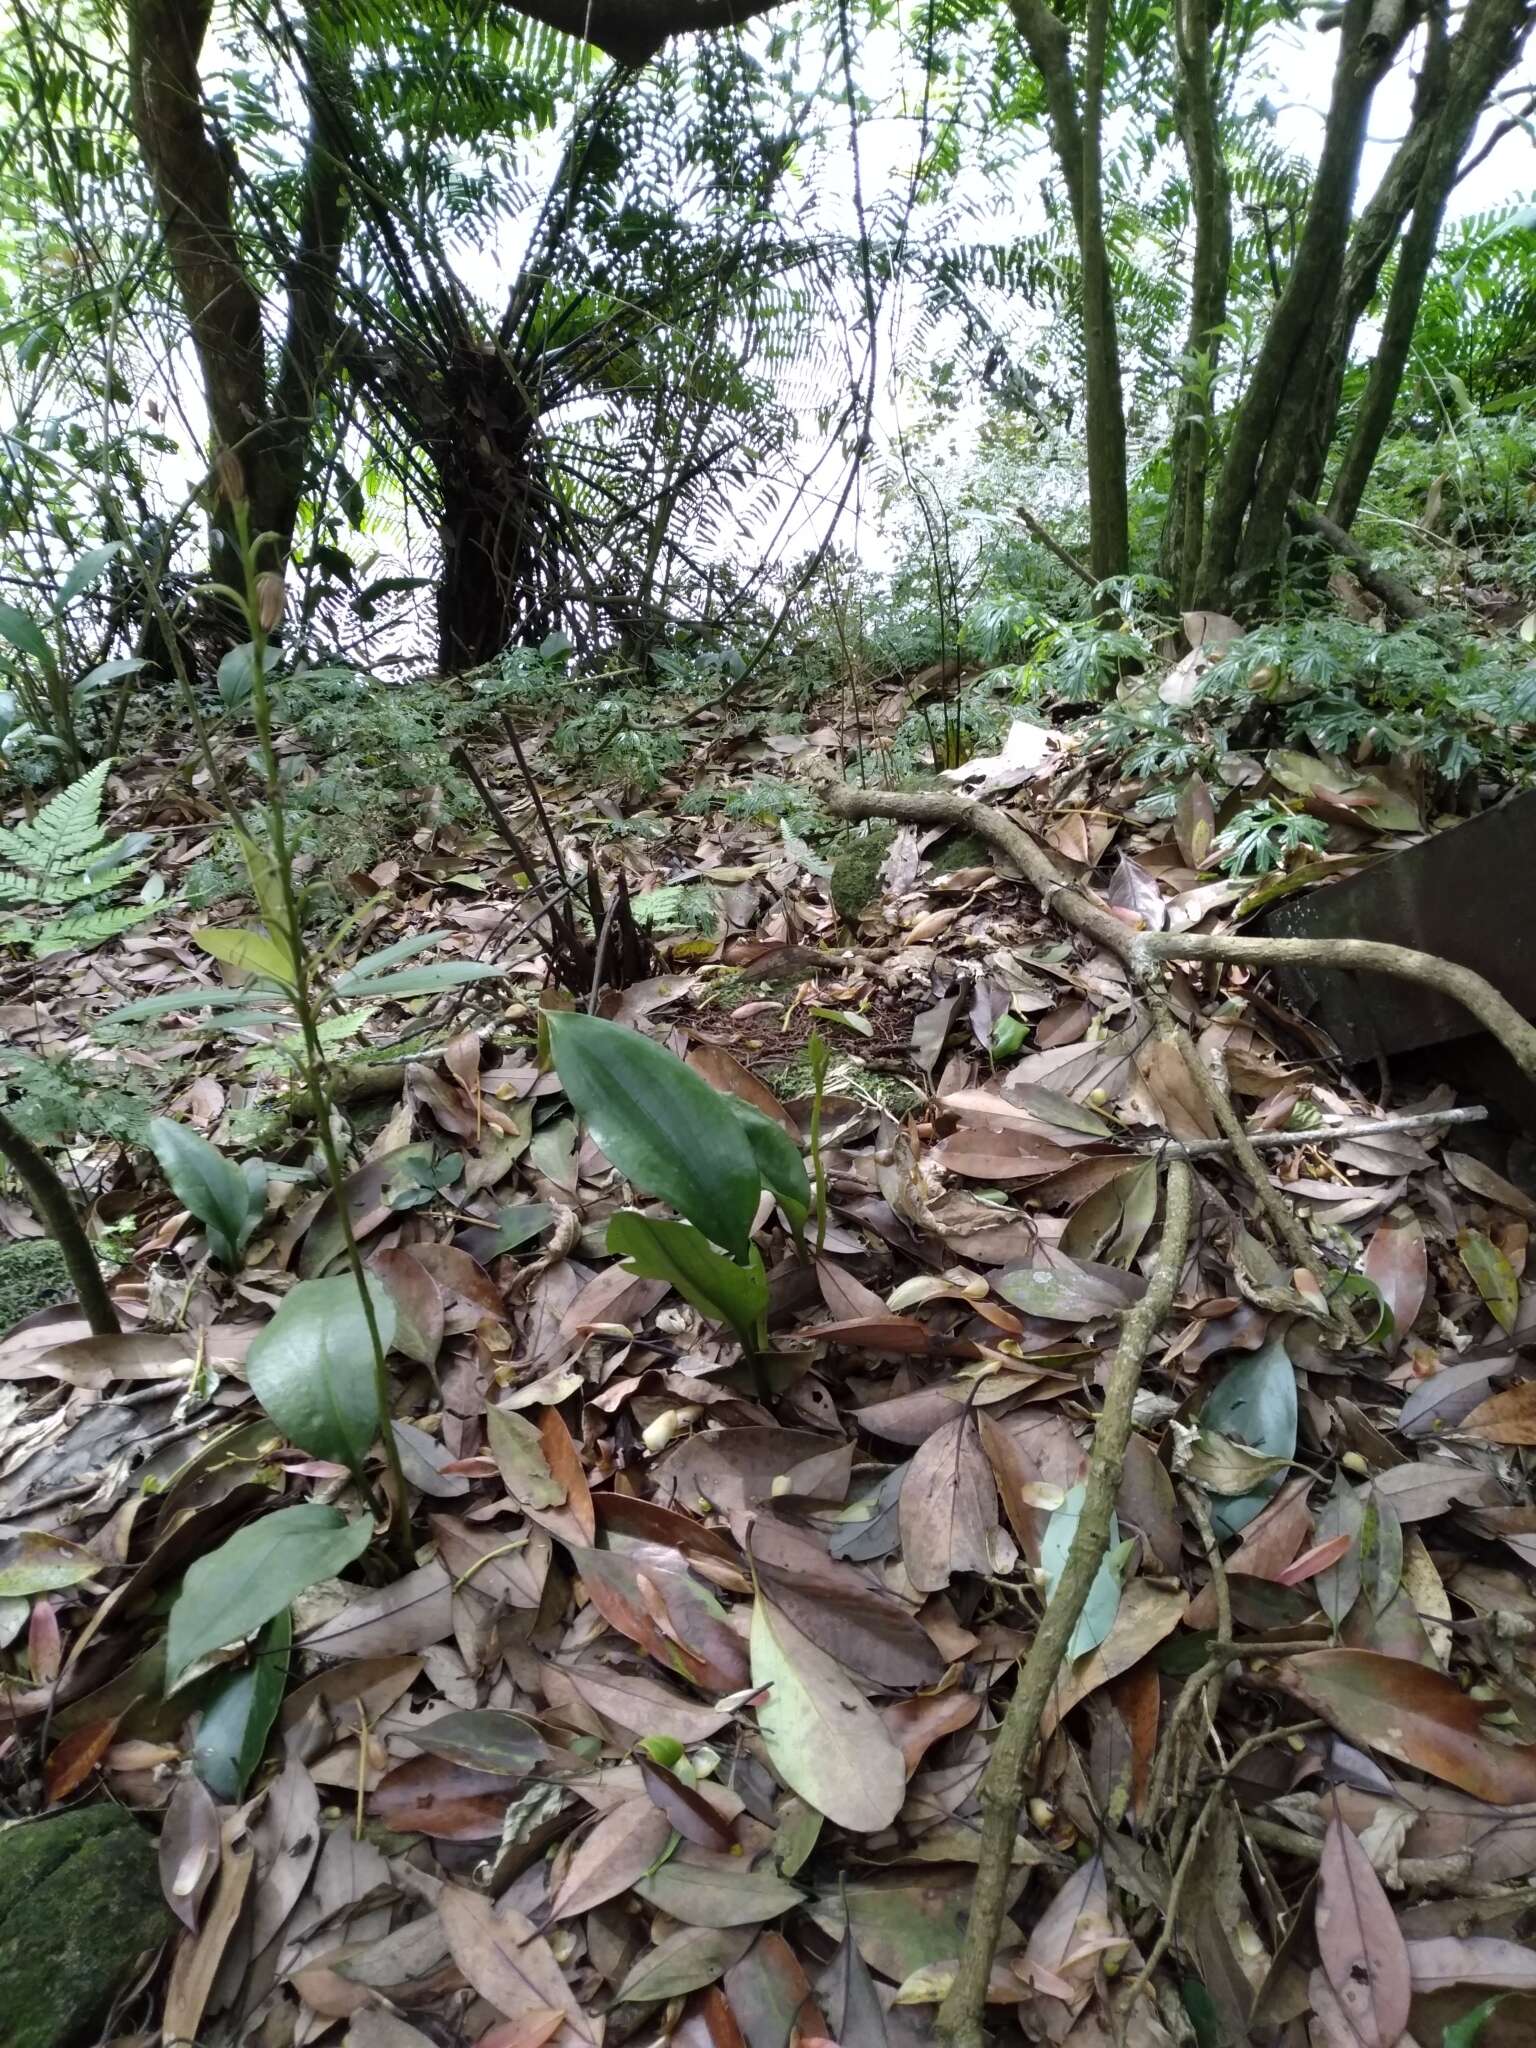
(80, 1904)
(856, 865)
(32, 1276)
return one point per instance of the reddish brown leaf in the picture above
(620, 1848)
(1315, 1560)
(723, 1071)
(1419, 1716)
(770, 1994)
(1145, 1616)
(1268, 1545)
(685, 1809)
(667, 1615)
(1015, 1474)
(73, 1760)
(1360, 1942)
(863, 1626)
(1137, 1696)
(1507, 1418)
(1397, 1264)
(564, 1461)
(510, 1964)
(429, 1795)
(538, 2025)
(44, 1643)
(418, 1304)
(882, 1333)
(916, 1725)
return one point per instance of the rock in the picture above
(856, 864)
(80, 1905)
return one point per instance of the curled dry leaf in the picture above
(189, 1849)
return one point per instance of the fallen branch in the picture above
(1392, 590)
(1096, 921)
(1494, 1012)
(1327, 1134)
(1002, 1784)
(1452, 1873)
(50, 1198)
(1053, 546)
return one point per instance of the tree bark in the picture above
(1268, 435)
(269, 430)
(1075, 126)
(1484, 50)
(50, 1198)
(1194, 25)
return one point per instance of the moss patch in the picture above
(792, 1081)
(856, 866)
(79, 1905)
(32, 1277)
(960, 850)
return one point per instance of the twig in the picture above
(600, 953)
(1452, 1873)
(1053, 546)
(1217, 1657)
(1325, 1134)
(1392, 590)
(1002, 1784)
(1493, 1011)
(1170, 1905)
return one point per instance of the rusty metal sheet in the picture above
(1468, 894)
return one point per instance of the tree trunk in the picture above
(502, 531)
(1268, 437)
(1483, 51)
(1194, 25)
(1076, 138)
(188, 169)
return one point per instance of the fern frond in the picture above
(65, 836)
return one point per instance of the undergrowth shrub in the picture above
(1464, 707)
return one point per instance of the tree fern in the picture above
(60, 861)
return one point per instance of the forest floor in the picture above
(674, 1727)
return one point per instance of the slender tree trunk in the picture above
(268, 430)
(1268, 435)
(1076, 138)
(1109, 545)
(1194, 26)
(1483, 51)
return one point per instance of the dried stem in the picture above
(1002, 1785)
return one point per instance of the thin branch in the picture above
(1053, 546)
(1002, 1785)
(1327, 1134)
(1494, 1012)
(1392, 590)
(1075, 906)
